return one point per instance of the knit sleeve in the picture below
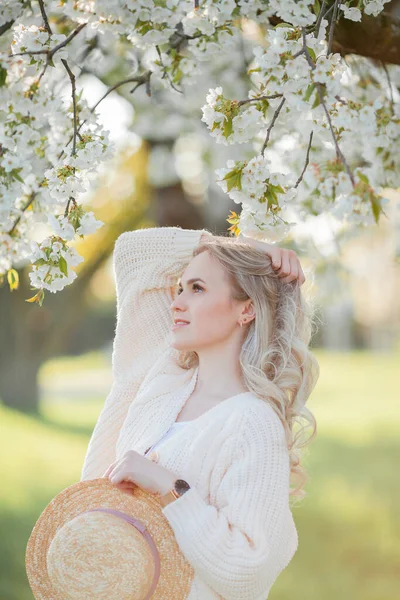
(240, 548)
(146, 263)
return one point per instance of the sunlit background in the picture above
(56, 369)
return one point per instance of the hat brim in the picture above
(176, 573)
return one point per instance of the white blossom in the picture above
(45, 159)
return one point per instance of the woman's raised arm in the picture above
(146, 265)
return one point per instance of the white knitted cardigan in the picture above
(234, 525)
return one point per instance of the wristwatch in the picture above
(180, 487)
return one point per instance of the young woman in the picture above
(211, 368)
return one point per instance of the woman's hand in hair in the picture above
(284, 261)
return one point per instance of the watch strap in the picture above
(180, 487)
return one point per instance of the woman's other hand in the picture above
(284, 261)
(134, 470)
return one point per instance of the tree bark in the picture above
(377, 38)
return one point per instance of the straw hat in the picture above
(94, 540)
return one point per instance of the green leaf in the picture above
(228, 127)
(40, 261)
(311, 52)
(62, 263)
(233, 180)
(317, 8)
(3, 76)
(13, 279)
(16, 175)
(272, 198)
(309, 91)
(363, 178)
(317, 100)
(276, 188)
(376, 206)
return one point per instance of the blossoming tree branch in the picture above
(342, 121)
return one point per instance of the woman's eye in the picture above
(194, 286)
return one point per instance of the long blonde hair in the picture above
(276, 363)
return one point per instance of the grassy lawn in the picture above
(349, 523)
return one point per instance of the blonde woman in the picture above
(211, 368)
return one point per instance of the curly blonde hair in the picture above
(275, 360)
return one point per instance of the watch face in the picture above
(181, 486)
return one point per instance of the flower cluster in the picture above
(335, 128)
(52, 261)
(53, 258)
(251, 184)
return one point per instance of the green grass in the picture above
(348, 525)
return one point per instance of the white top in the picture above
(234, 525)
(175, 427)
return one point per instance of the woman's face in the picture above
(203, 299)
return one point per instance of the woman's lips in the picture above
(177, 325)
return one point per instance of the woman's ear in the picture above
(248, 312)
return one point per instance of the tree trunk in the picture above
(22, 329)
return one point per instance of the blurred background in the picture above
(56, 373)
(55, 360)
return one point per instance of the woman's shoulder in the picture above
(257, 406)
(259, 420)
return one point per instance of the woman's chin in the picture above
(180, 345)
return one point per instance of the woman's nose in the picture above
(177, 303)
(180, 302)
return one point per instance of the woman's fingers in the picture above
(284, 261)
(126, 486)
(290, 268)
(125, 483)
(285, 264)
(275, 254)
(302, 276)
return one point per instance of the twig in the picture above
(307, 160)
(51, 51)
(333, 23)
(6, 26)
(44, 17)
(70, 199)
(339, 153)
(72, 78)
(390, 86)
(320, 17)
(338, 150)
(27, 205)
(241, 102)
(141, 79)
(276, 113)
(166, 71)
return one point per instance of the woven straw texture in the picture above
(71, 556)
